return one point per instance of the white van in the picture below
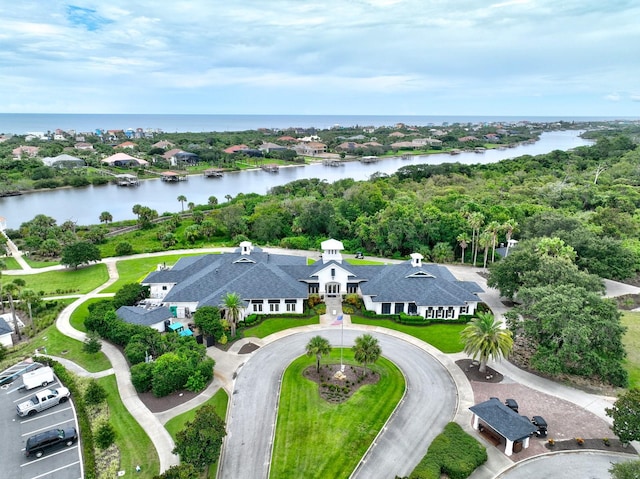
(39, 377)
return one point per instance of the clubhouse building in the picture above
(272, 283)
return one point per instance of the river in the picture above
(84, 205)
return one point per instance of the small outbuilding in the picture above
(155, 318)
(499, 421)
(5, 333)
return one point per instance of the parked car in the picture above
(39, 377)
(541, 424)
(43, 400)
(38, 444)
(359, 255)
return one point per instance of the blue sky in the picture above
(410, 57)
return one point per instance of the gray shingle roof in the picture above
(504, 420)
(144, 317)
(4, 327)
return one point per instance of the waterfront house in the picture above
(275, 283)
(25, 151)
(124, 160)
(177, 157)
(63, 161)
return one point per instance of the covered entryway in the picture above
(498, 421)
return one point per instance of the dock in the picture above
(212, 173)
(271, 168)
(369, 159)
(173, 177)
(332, 162)
(127, 180)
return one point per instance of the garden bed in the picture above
(614, 445)
(335, 390)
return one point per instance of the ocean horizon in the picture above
(23, 123)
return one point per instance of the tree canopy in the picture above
(199, 442)
(79, 253)
(626, 416)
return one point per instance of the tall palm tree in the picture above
(320, 347)
(494, 228)
(484, 241)
(475, 220)
(366, 350)
(3, 265)
(233, 306)
(509, 226)
(463, 240)
(484, 338)
(30, 297)
(182, 199)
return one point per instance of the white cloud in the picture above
(282, 54)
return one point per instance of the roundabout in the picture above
(430, 402)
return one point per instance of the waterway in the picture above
(84, 205)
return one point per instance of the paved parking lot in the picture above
(60, 463)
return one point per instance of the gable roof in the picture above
(142, 316)
(504, 420)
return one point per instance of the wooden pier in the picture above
(271, 168)
(332, 162)
(212, 173)
(369, 159)
(173, 177)
(127, 180)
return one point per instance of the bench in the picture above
(490, 435)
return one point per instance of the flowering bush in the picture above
(579, 441)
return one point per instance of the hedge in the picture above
(69, 380)
(414, 320)
(454, 453)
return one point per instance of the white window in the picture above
(274, 307)
(257, 308)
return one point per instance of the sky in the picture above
(331, 57)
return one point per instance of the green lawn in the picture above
(445, 337)
(133, 442)
(631, 341)
(219, 401)
(274, 325)
(57, 344)
(316, 439)
(11, 263)
(67, 281)
(135, 270)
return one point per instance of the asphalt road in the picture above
(583, 465)
(429, 404)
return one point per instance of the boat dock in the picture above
(271, 168)
(173, 177)
(126, 179)
(212, 173)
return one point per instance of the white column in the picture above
(476, 421)
(525, 443)
(508, 449)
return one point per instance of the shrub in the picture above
(454, 453)
(92, 343)
(124, 248)
(95, 394)
(142, 376)
(105, 435)
(196, 382)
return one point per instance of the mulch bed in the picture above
(572, 445)
(336, 390)
(248, 348)
(165, 403)
(471, 370)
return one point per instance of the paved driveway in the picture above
(429, 404)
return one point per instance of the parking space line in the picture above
(48, 386)
(47, 456)
(41, 416)
(53, 426)
(56, 470)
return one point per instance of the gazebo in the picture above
(494, 417)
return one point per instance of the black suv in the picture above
(36, 445)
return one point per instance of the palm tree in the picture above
(182, 199)
(233, 306)
(105, 217)
(484, 338)
(320, 347)
(191, 205)
(509, 226)
(494, 228)
(30, 297)
(366, 350)
(484, 241)
(137, 210)
(228, 197)
(3, 265)
(463, 240)
(213, 201)
(475, 220)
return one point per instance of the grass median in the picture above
(66, 281)
(631, 341)
(316, 439)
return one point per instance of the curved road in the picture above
(430, 402)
